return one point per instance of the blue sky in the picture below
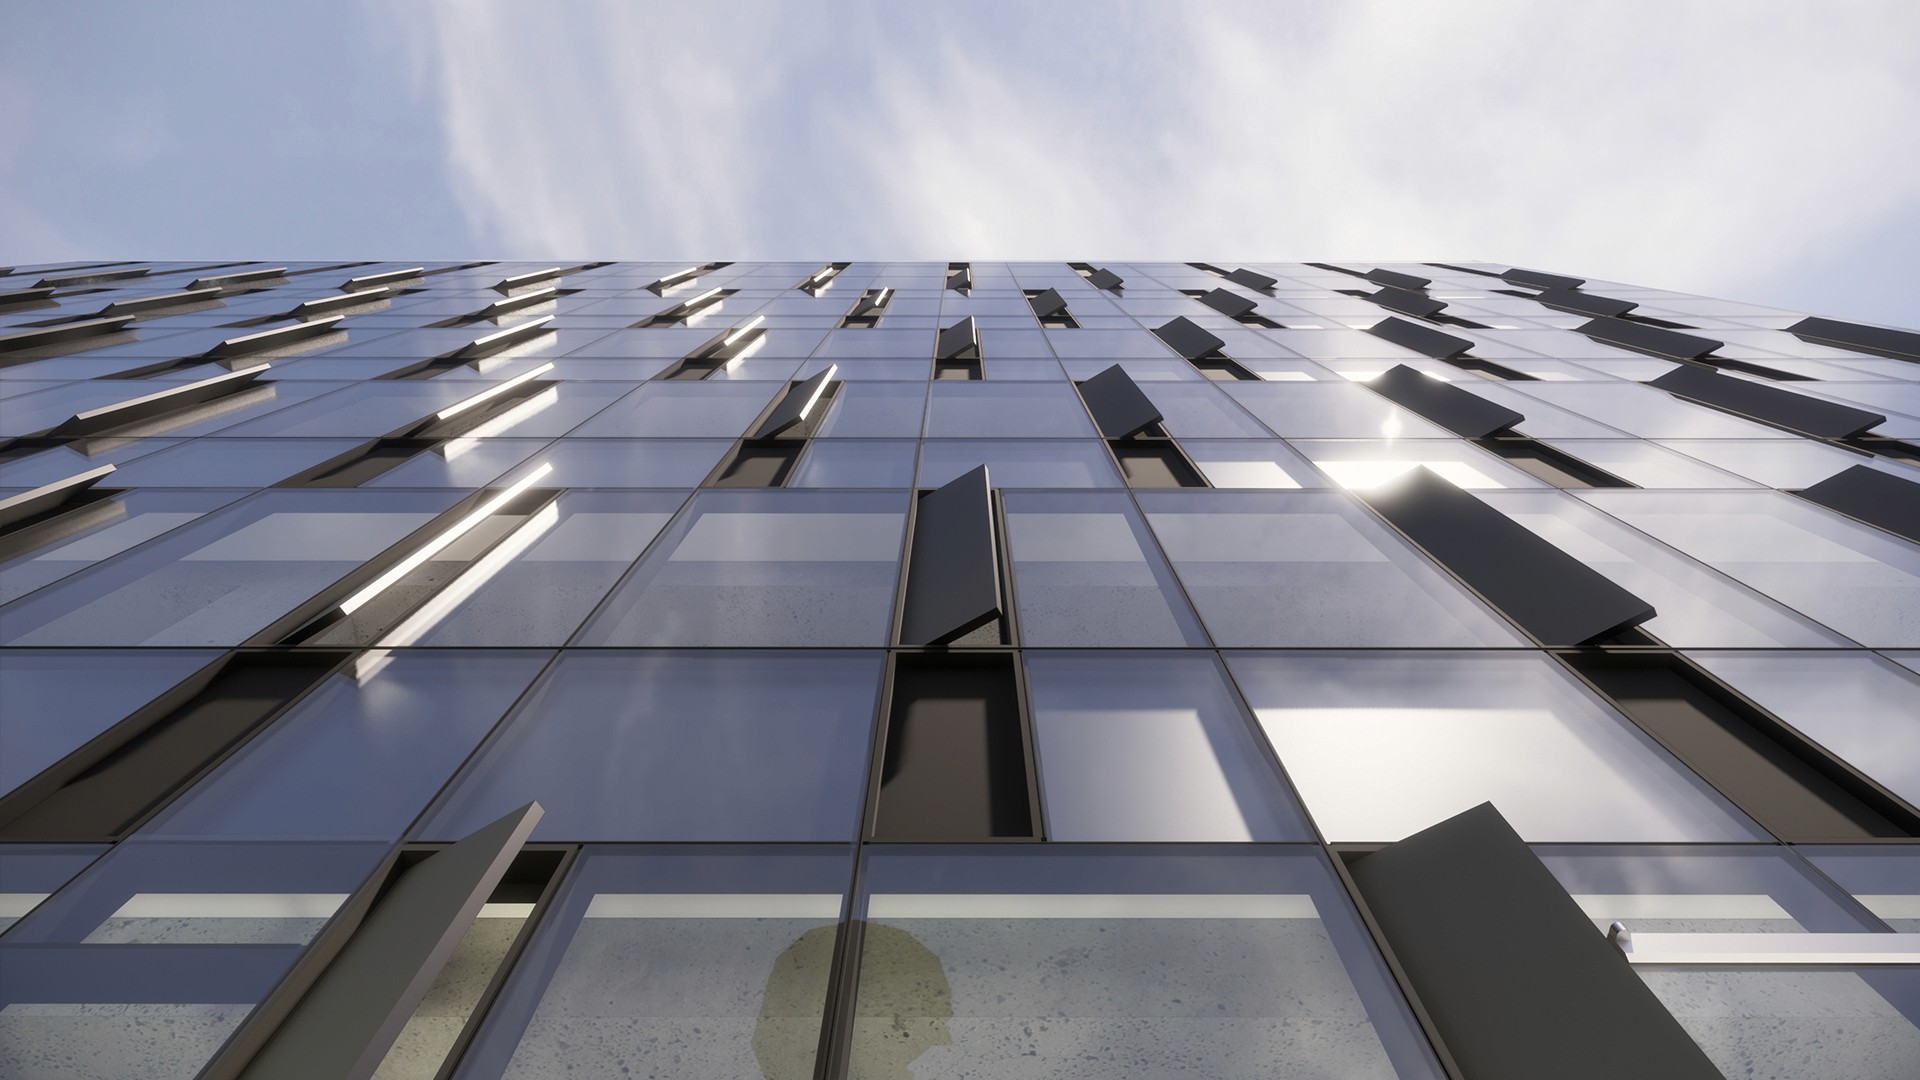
(1759, 150)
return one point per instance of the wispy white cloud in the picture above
(1696, 144)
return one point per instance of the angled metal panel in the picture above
(1228, 303)
(1105, 279)
(797, 403)
(163, 300)
(1515, 978)
(172, 399)
(1541, 280)
(1878, 340)
(386, 278)
(521, 281)
(957, 339)
(238, 277)
(1186, 337)
(1396, 279)
(1872, 496)
(501, 340)
(1553, 596)
(1462, 412)
(1118, 405)
(93, 278)
(1048, 303)
(346, 1023)
(1251, 279)
(1812, 416)
(1407, 302)
(953, 572)
(54, 335)
(1651, 340)
(263, 340)
(47, 496)
(1421, 339)
(1579, 303)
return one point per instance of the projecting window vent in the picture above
(960, 277)
(1098, 277)
(1234, 306)
(867, 311)
(1051, 309)
(679, 313)
(817, 282)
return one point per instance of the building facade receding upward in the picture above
(965, 670)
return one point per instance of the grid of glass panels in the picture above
(545, 566)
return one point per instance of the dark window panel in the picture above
(1798, 412)
(1228, 303)
(1407, 302)
(1579, 303)
(1541, 280)
(1873, 496)
(1119, 407)
(1185, 337)
(1424, 340)
(1878, 340)
(1460, 411)
(953, 574)
(956, 763)
(1652, 340)
(1397, 280)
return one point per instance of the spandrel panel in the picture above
(712, 745)
(702, 964)
(104, 530)
(1854, 578)
(57, 700)
(867, 410)
(1646, 412)
(1701, 890)
(463, 463)
(1201, 410)
(681, 410)
(1142, 747)
(362, 410)
(1781, 463)
(1086, 572)
(1006, 411)
(237, 463)
(1331, 410)
(1380, 745)
(1048, 463)
(1249, 463)
(1862, 707)
(763, 568)
(1310, 568)
(361, 756)
(1649, 465)
(629, 463)
(1096, 963)
(546, 579)
(224, 578)
(1695, 607)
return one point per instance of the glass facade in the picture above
(938, 669)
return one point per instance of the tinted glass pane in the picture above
(55, 701)
(763, 568)
(669, 410)
(680, 746)
(985, 411)
(1039, 464)
(703, 964)
(105, 529)
(363, 754)
(1310, 569)
(1086, 572)
(1150, 746)
(1075, 962)
(225, 578)
(1381, 745)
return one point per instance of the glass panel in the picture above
(627, 463)
(1267, 463)
(1045, 464)
(1864, 708)
(55, 701)
(1086, 572)
(1696, 607)
(1645, 411)
(223, 579)
(1782, 463)
(1885, 880)
(543, 581)
(363, 754)
(1753, 1021)
(1200, 410)
(209, 463)
(31, 873)
(146, 963)
(683, 410)
(462, 463)
(764, 568)
(875, 410)
(1382, 745)
(1648, 464)
(698, 965)
(1006, 411)
(1330, 410)
(1854, 578)
(1360, 464)
(680, 746)
(104, 529)
(866, 463)
(1150, 747)
(1088, 962)
(1308, 568)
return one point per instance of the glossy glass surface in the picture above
(1087, 572)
